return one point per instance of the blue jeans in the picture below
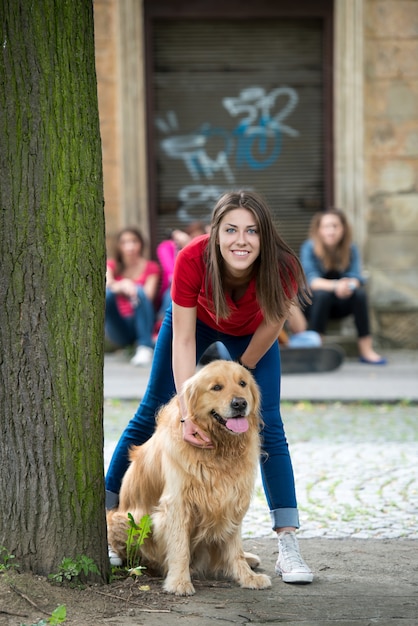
(165, 303)
(276, 466)
(123, 331)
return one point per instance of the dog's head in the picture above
(223, 397)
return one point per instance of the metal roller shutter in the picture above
(238, 104)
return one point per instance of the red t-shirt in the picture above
(124, 304)
(188, 290)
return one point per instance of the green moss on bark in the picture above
(53, 258)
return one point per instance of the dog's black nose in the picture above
(239, 404)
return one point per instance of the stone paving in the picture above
(356, 471)
(356, 468)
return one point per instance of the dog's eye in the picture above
(217, 387)
(242, 383)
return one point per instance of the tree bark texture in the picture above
(51, 286)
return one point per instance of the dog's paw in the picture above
(252, 559)
(256, 581)
(179, 587)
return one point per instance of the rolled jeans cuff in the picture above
(111, 500)
(280, 518)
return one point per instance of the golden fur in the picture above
(197, 497)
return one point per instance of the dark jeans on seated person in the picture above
(325, 306)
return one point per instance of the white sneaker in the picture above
(114, 557)
(142, 356)
(290, 565)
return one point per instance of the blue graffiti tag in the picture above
(257, 139)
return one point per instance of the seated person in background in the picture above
(333, 270)
(131, 286)
(166, 253)
(295, 333)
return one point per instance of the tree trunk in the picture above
(51, 287)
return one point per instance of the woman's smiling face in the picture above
(239, 240)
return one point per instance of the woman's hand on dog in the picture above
(194, 436)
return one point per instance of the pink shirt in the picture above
(166, 253)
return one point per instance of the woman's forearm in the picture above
(151, 286)
(184, 366)
(184, 347)
(323, 284)
(261, 341)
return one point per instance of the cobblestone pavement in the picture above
(356, 468)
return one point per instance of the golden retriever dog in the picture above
(197, 497)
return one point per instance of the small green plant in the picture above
(137, 533)
(57, 617)
(6, 560)
(70, 570)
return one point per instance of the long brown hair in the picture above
(133, 230)
(277, 267)
(338, 259)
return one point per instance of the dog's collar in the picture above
(218, 417)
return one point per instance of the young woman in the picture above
(333, 269)
(131, 286)
(235, 286)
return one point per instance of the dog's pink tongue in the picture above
(237, 424)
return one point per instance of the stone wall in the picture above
(108, 77)
(121, 93)
(391, 167)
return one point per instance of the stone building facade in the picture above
(372, 147)
(390, 68)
